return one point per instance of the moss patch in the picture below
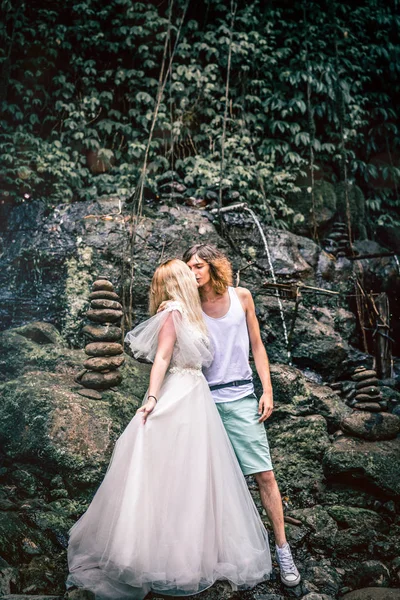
(77, 288)
(297, 447)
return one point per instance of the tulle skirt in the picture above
(173, 513)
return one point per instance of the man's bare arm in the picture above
(259, 353)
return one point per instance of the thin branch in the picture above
(162, 81)
(160, 90)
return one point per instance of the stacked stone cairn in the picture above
(104, 337)
(366, 394)
(370, 419)
(170, 188)
(337, 242)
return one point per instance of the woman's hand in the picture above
(147, 408)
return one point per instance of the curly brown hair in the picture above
(220, 266)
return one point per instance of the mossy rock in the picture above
(21, 354)
(43, 420)
(323, 528)
(288, 383)
(43, 576)
(316, 345)
(324, 207)
(291, 396)
(359, 530)
(340, 530)
(41, 333)
(19, 542)
(297, 447)
(315, 342)
(352, 517)
(25, 481)
(372, 463)
(328, 403)
(58, 518)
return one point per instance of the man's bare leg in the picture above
(272, 502)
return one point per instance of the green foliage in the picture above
(80, 80)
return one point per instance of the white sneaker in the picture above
(289, 573)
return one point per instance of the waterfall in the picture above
(264, 239)
(397, 263)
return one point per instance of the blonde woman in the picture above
(173, 513)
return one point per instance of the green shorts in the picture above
(248, 437)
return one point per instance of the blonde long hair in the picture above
(173, 280)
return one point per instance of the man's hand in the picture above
(146, 409)
(162, 306)
(265, 406)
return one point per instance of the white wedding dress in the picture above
(173, 513)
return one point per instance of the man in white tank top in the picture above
(231, 320)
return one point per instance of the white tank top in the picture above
(230, 340)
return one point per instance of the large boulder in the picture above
(327, 402)
(290, 255)
(297, 447)
(372, 426)
(370, 573)
(317, 343)
(18, 541)
(294, 395)
(379, 273)
(341, 531)
(44, 420)
(317, 210)
(290, 392)
(288, 383)
(319, 347)
(41, 333)
(373, 593)
(358, 529)
(41, 418)
(362, 461)
(36, 346)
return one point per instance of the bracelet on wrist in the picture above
(151, 396)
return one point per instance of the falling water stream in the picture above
(264, 239)
(397, 263)
(243, 206)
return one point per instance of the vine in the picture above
(228, 72)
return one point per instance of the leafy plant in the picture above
(313, 93)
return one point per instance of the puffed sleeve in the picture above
(192, 348)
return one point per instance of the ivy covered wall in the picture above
(313, 93)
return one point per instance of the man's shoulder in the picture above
(243, 293)
(245, 297)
